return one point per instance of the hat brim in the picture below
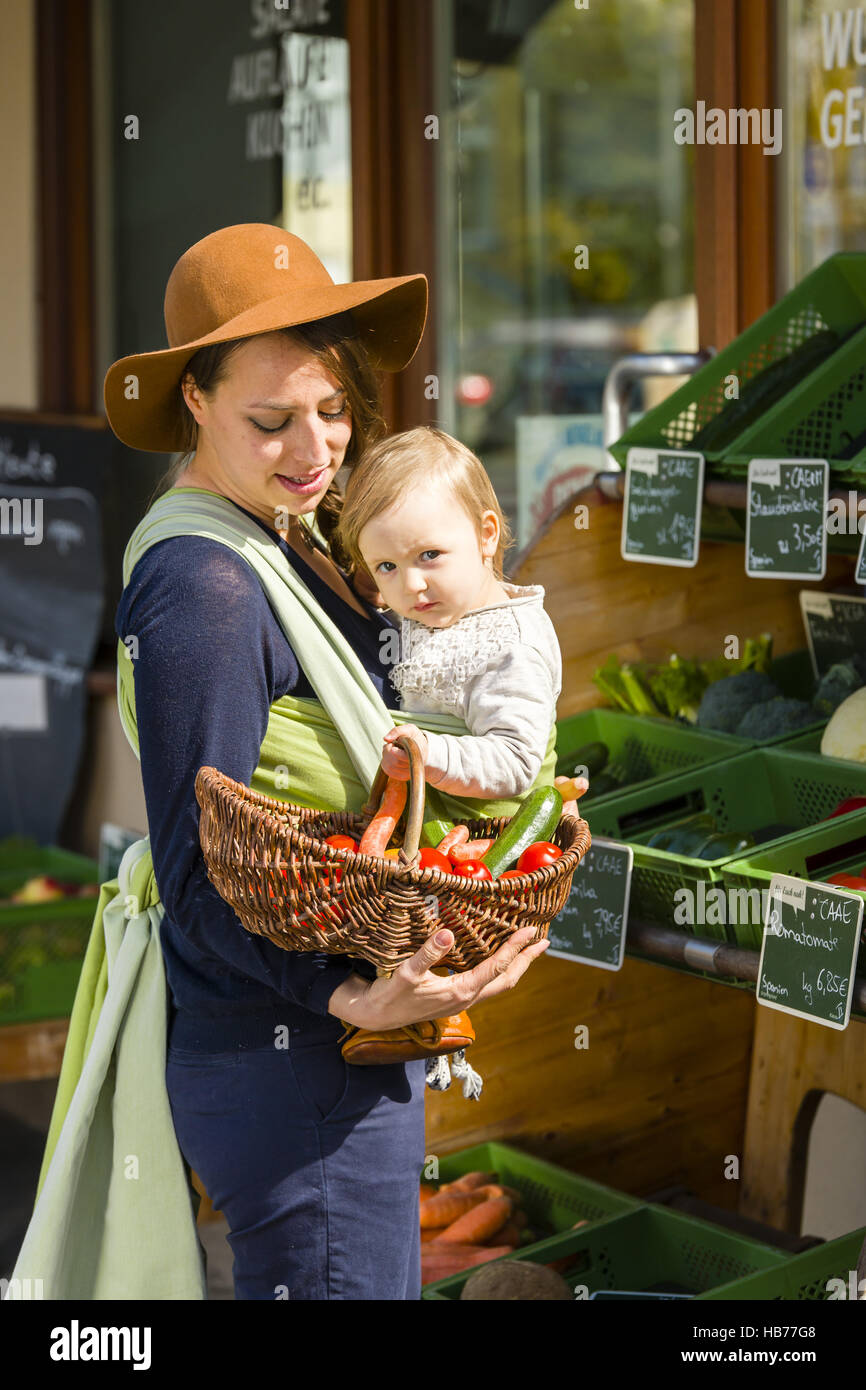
(140, 391)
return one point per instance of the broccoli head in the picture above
(773, 717)
(726, 701)
(840, 681)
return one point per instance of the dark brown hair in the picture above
(334, 343)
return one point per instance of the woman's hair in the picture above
(334, 342)
(390, 467)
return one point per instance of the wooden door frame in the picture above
(391, 47)
(736, 213)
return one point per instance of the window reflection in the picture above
(566, 224)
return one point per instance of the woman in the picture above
(268, 388)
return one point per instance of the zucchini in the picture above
(769, 386)
(591, 756)
(602, 784)
(536, 819)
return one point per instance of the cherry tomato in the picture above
(538, 856)
(851, 803)
(341, 842)
(432, 859)
(471, 868)
(513, 873)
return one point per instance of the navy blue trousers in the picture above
(314, 1164)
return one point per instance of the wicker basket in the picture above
(268, 860)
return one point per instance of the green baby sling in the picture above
(115, 1213)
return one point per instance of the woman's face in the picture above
(273, 432)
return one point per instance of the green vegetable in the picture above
(675, 688)
(536, 819)
(726, 701)
(434, 831)
(763, 390)
(600, 786)
(591, 756)
(771, 718)
(724, 844)
(840, 681)
(702, 822)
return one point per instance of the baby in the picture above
(421, 516)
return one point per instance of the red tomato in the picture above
(341, 842)
(512, 873)
(848, 881)
(851, 803)
(471, 868)
(432, 859)
(538, 856)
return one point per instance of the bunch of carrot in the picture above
(468, 1222)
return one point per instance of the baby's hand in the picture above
(394, 761)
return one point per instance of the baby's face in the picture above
(427, 557)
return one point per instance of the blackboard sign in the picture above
(591, 927)
(51, 579)
(835, 627)
(809, 950)
(786, 510)
(661, 510)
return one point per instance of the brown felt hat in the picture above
(236, 283)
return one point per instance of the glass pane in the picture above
(823, 56)
(566, 226)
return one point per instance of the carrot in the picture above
(428, 1190)
(472, 849)
(570, 788)
(427, 1236)
(447, 1207)
(509, 1234)
(439, 1264)
(458, 836)
(495, 1189)
(375, 838)
(468, 1182)
(479, 1222)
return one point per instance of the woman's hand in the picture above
(413, 993)
(394, 761)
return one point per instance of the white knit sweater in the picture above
(498, 669)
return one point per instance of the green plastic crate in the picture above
(640, 1249)
(554, 1197)
(831, 296)
(641, 749)
(42, 945)
(836, 846)
(802, 1277)
(761, 787)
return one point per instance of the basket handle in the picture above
(415, 813)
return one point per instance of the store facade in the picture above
(578, 181)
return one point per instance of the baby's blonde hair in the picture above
(386, 471)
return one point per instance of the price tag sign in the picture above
(835, 627)
(661, 514)
(860, 572)
(786, 535)
(809, 950)
(591, 927)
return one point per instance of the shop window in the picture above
(237, 111)
(565, 227)
(823, 173)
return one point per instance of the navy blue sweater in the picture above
(212, 659)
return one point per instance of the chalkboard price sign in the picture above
(591, 927)
(809, 950)
(662, 507)
(786, 537)
(860, 572)
(835, 627)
